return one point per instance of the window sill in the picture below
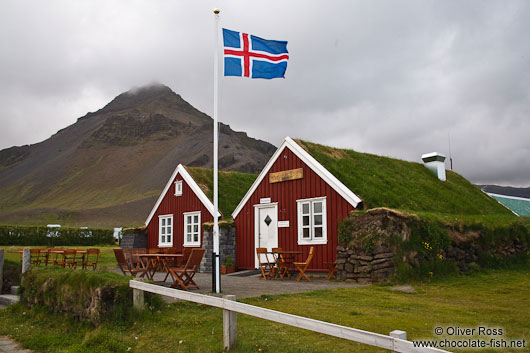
(191, 245)
(165, 245)
(312, 242)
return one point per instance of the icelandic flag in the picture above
(250, 56)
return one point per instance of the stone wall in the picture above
(227, 246)
(377, 242)
(134, 239)
(364, 267)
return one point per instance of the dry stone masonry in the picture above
(364, 267)
(375, 243)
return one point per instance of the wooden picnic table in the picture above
(283, 259)
(151, 263)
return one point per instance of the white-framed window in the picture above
(192, 228)
(178, 188)
(165, 230)
(312, 223)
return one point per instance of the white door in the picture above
(266, 227)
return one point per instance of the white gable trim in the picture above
(192, 184)
(312, 163)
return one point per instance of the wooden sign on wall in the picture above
(292, 174)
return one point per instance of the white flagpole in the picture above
(216, 269)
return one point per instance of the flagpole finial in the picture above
(216, 11)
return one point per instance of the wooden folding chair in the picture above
(302, 266)
(284, 262)
(35, 258)
(183, 276)
(91, 258)
(266, 267)
(55, 256)
(181, 261)
(68, 258)
(332, 268)
(124, 266)
(130, 255)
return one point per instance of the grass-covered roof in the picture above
(388, 182)
(232, 186)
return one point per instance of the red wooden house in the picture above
(295, 203)
(176, 219)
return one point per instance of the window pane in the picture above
(317, 207)
(305, 233)
(305, 220)
(169, 221)
(163, 222)
(163, 239)
(196, 228)
(305, 208)
(195, 219)
(318, 220)
(189, 219)
(169, 238)
(163, 230)
(318, 232)
(195, 237)
(189, 228)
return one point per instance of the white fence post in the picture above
(229, 325)
(26, 260)
(1, 269)
(399, 334)
(138, 299)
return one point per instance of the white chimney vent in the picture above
(435, 163)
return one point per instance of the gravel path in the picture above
(252, 286)
(7, 345)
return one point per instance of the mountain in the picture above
(506, 190)
(108, 168)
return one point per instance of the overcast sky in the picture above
(394, 78)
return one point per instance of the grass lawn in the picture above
(496, 299)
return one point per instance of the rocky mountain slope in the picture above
(109, 167)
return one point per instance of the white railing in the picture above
(396, 342)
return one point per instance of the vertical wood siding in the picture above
(177, 205)
(286, 193)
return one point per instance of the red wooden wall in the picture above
(177, 205)
(286, 193)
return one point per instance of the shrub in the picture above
(11, 276)
(41, 235)
(88, 296)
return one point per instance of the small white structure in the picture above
(434, 161)
(118, 233)
(53, 230)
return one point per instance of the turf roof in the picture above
(388, 182)
(232, 186)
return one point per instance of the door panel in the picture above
(267, 227)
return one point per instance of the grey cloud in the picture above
(391, 78)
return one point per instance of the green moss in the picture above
(90, 296)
